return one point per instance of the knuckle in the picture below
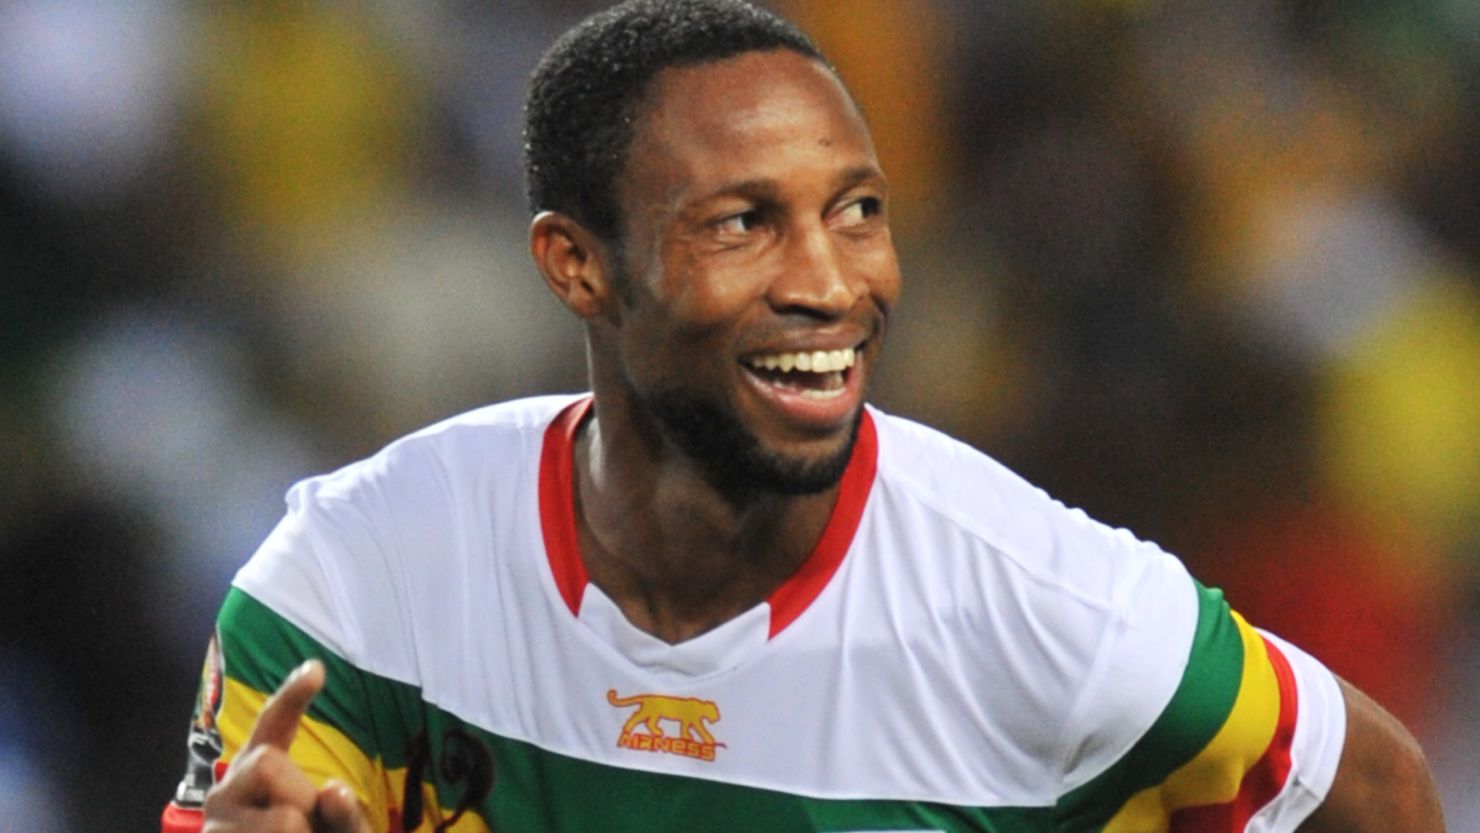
(218, 799)
(245, 761)
(245, 767)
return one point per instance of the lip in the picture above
(809, 414)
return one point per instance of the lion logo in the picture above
(690, 713)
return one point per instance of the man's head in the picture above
(737, 307)
(583, 98)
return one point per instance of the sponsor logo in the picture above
(643, 730)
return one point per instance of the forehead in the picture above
(758, 115)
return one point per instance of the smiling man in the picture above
(720, 592)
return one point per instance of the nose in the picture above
(814, 277)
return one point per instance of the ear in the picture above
(572, 261)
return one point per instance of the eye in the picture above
(739, 224)
(858, 211)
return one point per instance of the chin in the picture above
(737, 461)
(796, 474)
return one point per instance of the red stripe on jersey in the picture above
(557, 504)
(177, 819)
(1264, 781)
(1267, 778)
(796, 593)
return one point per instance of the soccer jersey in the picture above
(958, 653)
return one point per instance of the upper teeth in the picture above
(818, 361)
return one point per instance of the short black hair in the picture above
(584, 95)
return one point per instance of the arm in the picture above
(1382, 782)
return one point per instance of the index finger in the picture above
(277, 723)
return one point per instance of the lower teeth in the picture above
(812, 385)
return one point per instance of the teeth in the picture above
(819, 361)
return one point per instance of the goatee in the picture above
(732, 457)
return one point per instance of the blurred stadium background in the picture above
(1210, 270)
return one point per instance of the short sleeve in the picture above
(1248, 740)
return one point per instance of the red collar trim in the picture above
(557, 503)
(558, 522)
(796, 593)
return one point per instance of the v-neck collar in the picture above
(786, 602)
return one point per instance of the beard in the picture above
(732, 457)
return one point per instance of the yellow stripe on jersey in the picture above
(321, 750)
(1213, 776)
(324, 752)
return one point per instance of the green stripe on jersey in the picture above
(1196, 712)
(535, 789)
(260, 648)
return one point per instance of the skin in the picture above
(1382, 782)
(754, 222)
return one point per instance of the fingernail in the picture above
(341, 791)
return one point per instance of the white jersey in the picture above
(959, 652)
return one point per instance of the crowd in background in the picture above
(1209, 270)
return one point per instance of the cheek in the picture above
(684, 337)
(702, 302)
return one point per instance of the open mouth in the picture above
(817, 374)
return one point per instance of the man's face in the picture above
(759, 270)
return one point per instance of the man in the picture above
(720, 593)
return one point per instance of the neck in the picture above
(676, 554)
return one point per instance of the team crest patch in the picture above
(212, 683)
(204, 756)
(644, 728)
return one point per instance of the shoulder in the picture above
(1099, 624)
(420, 486)
(487, 439)
(420, 482)
(934, 480)
(1166, 705)
(363, 547)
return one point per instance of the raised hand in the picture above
(264, 791)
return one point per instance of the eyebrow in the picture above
(760, 188)
(757, 188)
(859, 173)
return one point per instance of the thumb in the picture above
(277, 723)
(338, 811)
